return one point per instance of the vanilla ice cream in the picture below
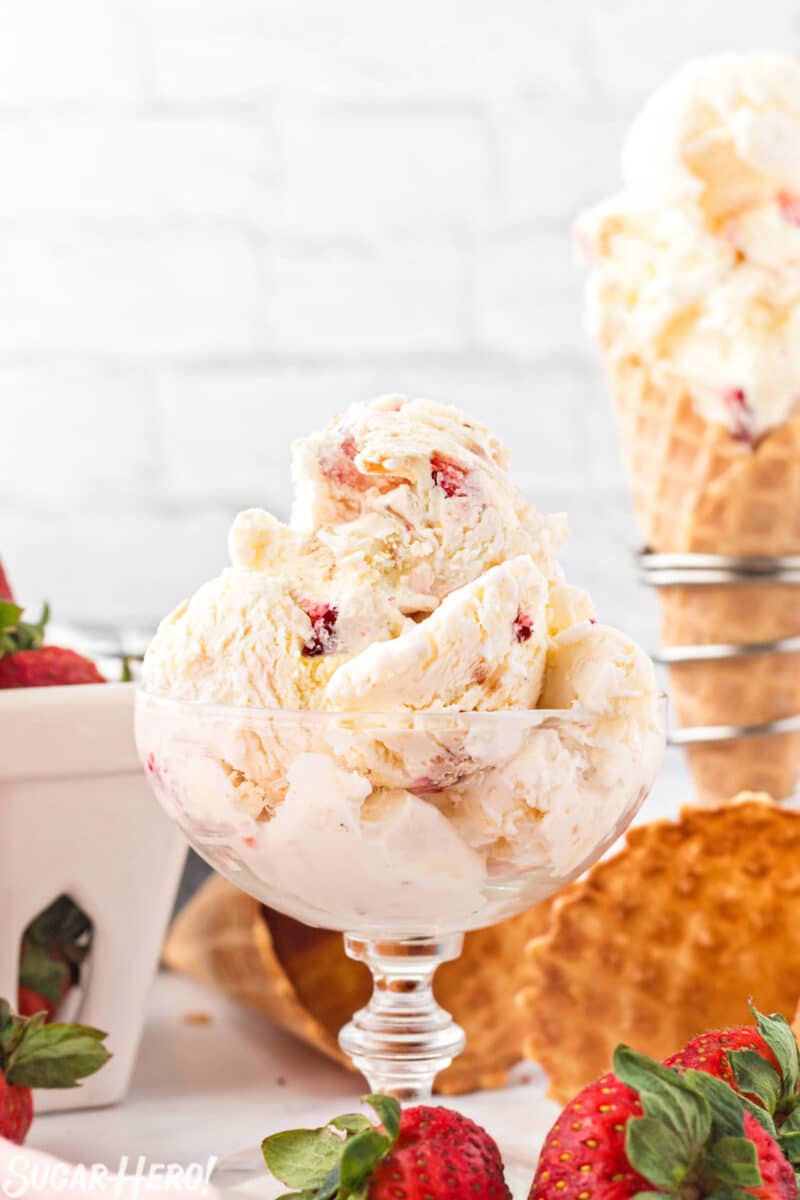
(366, 740)
(696, 263)
(484, 647)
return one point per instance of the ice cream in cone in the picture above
(694, 298)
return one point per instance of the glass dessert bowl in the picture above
(403, 830)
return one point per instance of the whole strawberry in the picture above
(762, 1064)
(34, 1055)
(54, 947)
(51, 666)
(646, 1129)
(423, 1153)
(26, 662)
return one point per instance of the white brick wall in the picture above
(221, 220)
(146, 169)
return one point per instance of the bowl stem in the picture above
(403, 1038)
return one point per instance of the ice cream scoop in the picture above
(426, 488)
(483, 647)
(696, 262)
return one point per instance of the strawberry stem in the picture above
(691, 1140)
(20, 635)
(338, 1159)
(33, 1054)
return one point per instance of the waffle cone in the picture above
(221, 939)
(667, 939)
(301, 979)
(698, 490)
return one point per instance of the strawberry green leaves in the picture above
(361, 1155)
(725, 1107)
(20, 635)
(351, 1123)
(36, 1055)
(302, 1158)
(756, 1077)
(691, 1137)
(733, 1160)
(666, 1097)
(789, 1139)
(776, 1092)
(7, 1020)
(57, 1056)
(777, 1033)
(42, 973)
(62, 926)
(335, 1161)
(657, 1153)
(770, 1095)
(388, 1111)
(54, 946)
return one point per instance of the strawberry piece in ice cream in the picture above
(448, 476)
(790, 207)
(741, 416)
(323, 622)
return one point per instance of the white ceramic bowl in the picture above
(79, 818)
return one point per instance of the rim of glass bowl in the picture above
(411, 717)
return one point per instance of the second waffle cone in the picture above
(698, 490)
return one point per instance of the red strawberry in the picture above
(448, 476)
(50, 666)
(54, 947)
(26, 662)
(34, 1055)
(423, 1153)
(741, 415)
(339, 466)
(30, 1002)
(709, 1052)
(790, 207)
(5, 587)
(16, 1111)
(646, 1129)
(523, 627)
(323, 619)
(591, 1130)
(762, 1064)
(776, 1171)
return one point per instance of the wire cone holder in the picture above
(736, 685)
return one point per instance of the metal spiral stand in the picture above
(705, 570)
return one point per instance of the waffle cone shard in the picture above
(220, 939)
(301, 979)
(667, 939)
(698, 490)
